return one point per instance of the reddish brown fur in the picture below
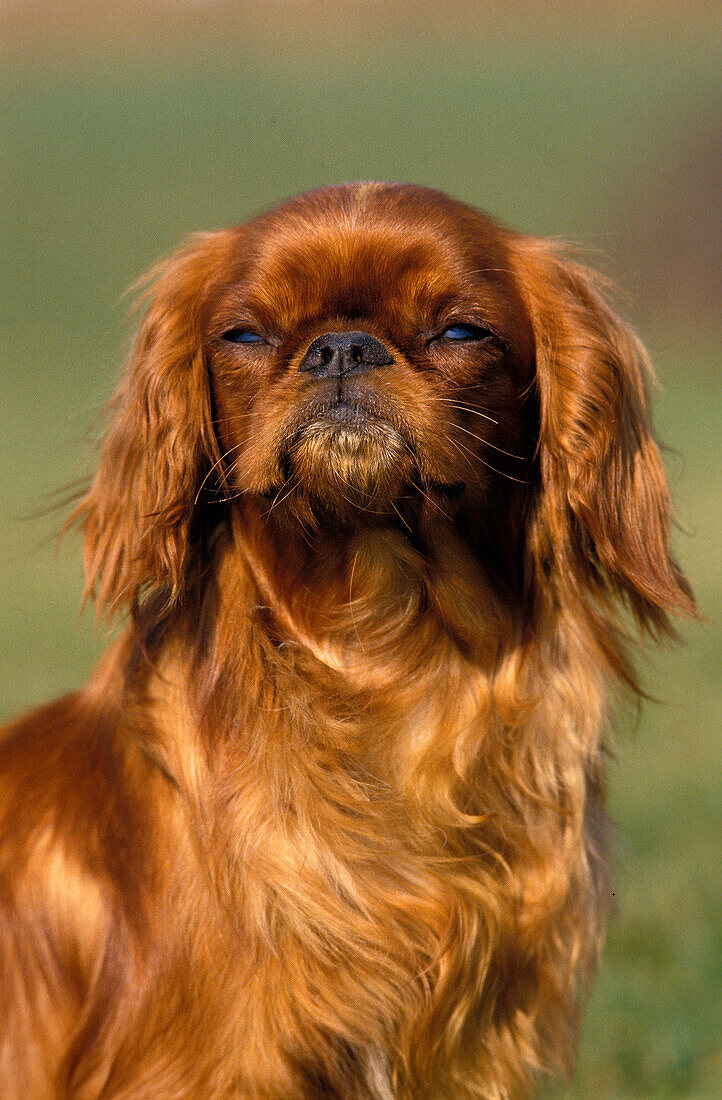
(327, 821)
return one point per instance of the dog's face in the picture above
(369, 344)
(380, 353)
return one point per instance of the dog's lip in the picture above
(344, 413)
(342, 418)
(354, 418)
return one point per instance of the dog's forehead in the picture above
(359, 249)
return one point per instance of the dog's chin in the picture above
(350, 463)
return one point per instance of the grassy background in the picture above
(125, 130)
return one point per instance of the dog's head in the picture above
(370, 345)
(381, 354)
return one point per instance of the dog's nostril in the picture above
(337, 353)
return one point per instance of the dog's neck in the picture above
(338, 626)
(364, 595)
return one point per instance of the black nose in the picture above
(337, 353)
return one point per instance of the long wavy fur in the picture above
(328, 820)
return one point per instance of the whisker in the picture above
(488, 443)
(278, 499)
(434, 503)
(467, 408)
(464, 453)
(478, 458)
(216, 464)
(227, 500)
(398, 513)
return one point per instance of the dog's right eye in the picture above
(242, 336)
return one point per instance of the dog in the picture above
(379, 499)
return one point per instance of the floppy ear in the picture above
(604, 507)
(137, 517)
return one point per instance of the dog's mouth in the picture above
(349, 455)
(348, 426)
(346, 413)
(348, 449)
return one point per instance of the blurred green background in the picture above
(127, 126)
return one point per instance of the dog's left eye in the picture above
(242, 336)
(464, 332)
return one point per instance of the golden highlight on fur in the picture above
(377, 491)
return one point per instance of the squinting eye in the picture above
(464, 332)
(242, 336)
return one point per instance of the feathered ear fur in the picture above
(137, 516)
(603, 516)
